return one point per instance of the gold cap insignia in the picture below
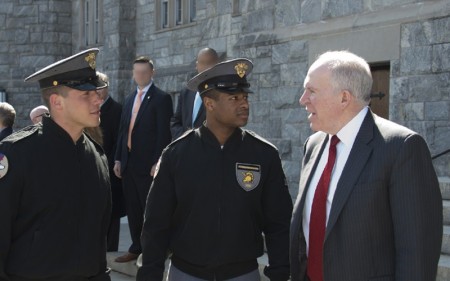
(90, 58)
(241, 69)
(55, 83)
(206, 86)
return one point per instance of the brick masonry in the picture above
(275, 34)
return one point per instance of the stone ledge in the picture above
(443, 273)
(445, 249)
(127, 268)
(446, 211)
(444, 184)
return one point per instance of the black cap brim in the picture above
(233, 91)
(92, 85)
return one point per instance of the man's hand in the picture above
(117, 169)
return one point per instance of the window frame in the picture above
(190, 11)
(91, 29)
(165, 22)
(178, 15)
(178, 12)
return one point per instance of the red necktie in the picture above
(317, 223)
(134, 112)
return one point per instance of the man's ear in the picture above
(346, 98)
(56, 101)
(208, 103)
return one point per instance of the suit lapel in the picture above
(128, 108)
(147, 98)
(200, 112)
(106, 106)
(190, 98)
(308, 169)
(355, 164)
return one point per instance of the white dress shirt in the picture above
(347, 136)
(145, 90)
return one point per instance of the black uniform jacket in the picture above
(110, 113)
(55, 206)
(210, 205)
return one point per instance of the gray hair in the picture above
(348, 72)
(103, 77)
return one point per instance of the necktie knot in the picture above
(334, 140)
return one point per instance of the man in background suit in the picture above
(369, 205)
(110, 112)
(190, 112)
(144, 133)
(7, 118)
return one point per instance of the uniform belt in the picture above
(215, 272)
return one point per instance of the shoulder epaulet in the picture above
(183, 136)
(259, 138)
(21, 134)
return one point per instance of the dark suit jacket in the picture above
(110, 113)
(151, 131)
(182, 119)
(5, 132)
(385, 221)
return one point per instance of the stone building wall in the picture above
(33, 34)
(283, 37)
(420, 82)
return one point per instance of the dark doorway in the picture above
(379, 102)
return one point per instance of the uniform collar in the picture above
(50, 126)
(233, 141)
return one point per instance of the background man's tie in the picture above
(196, 109)
(317, 222)
(134, 112)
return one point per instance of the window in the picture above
(192, 10)
(97, 23)
(236, 10)
(92, 22)
(165, 14)
(173, 13)
(86, 23)
(178, 12)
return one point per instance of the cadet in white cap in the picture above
(217, 190)
(54, 182)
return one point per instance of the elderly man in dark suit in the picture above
(190, 112)
(110, 112)
(369, 205)
(144, 133)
